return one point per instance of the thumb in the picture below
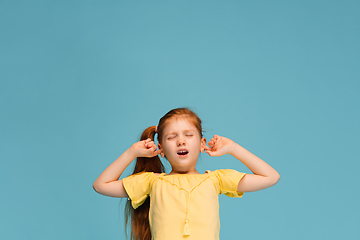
(157, 152)
(210, 152)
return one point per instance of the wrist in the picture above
(131, 153)
(233, 148)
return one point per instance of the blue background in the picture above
(80, 80)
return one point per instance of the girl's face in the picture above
(181, 143)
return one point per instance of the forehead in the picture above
(178, 124)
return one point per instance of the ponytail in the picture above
(140, 227)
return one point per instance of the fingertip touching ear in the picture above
(162, 153)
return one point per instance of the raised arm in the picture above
(263, 176)
(108, 182)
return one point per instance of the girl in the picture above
(184, 203)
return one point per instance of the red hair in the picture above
(140, 228)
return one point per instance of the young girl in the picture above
(184, 203)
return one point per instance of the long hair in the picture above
(139, 218)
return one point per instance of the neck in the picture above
(173, 172)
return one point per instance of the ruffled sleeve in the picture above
(138, 187)
(228, 180)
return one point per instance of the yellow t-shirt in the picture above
(183, 206)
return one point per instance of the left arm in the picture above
(263, 176)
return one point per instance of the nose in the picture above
(180, 142)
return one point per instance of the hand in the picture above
(219, 146)
(145, 148)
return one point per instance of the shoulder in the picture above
(225, 175)
(222, 172)
(142, 174)
(142, 177)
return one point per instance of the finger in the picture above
(152, 147)
(154, 153)
(150, 152)
(150, 144)
(157, 152)
(207, 148)
(146, 141)
(213, 144)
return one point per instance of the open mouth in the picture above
(182, 152)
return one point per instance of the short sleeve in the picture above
(138, 187)
(228, 182)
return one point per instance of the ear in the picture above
(203, 145)
(161, 154)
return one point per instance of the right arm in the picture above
(108, 182)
